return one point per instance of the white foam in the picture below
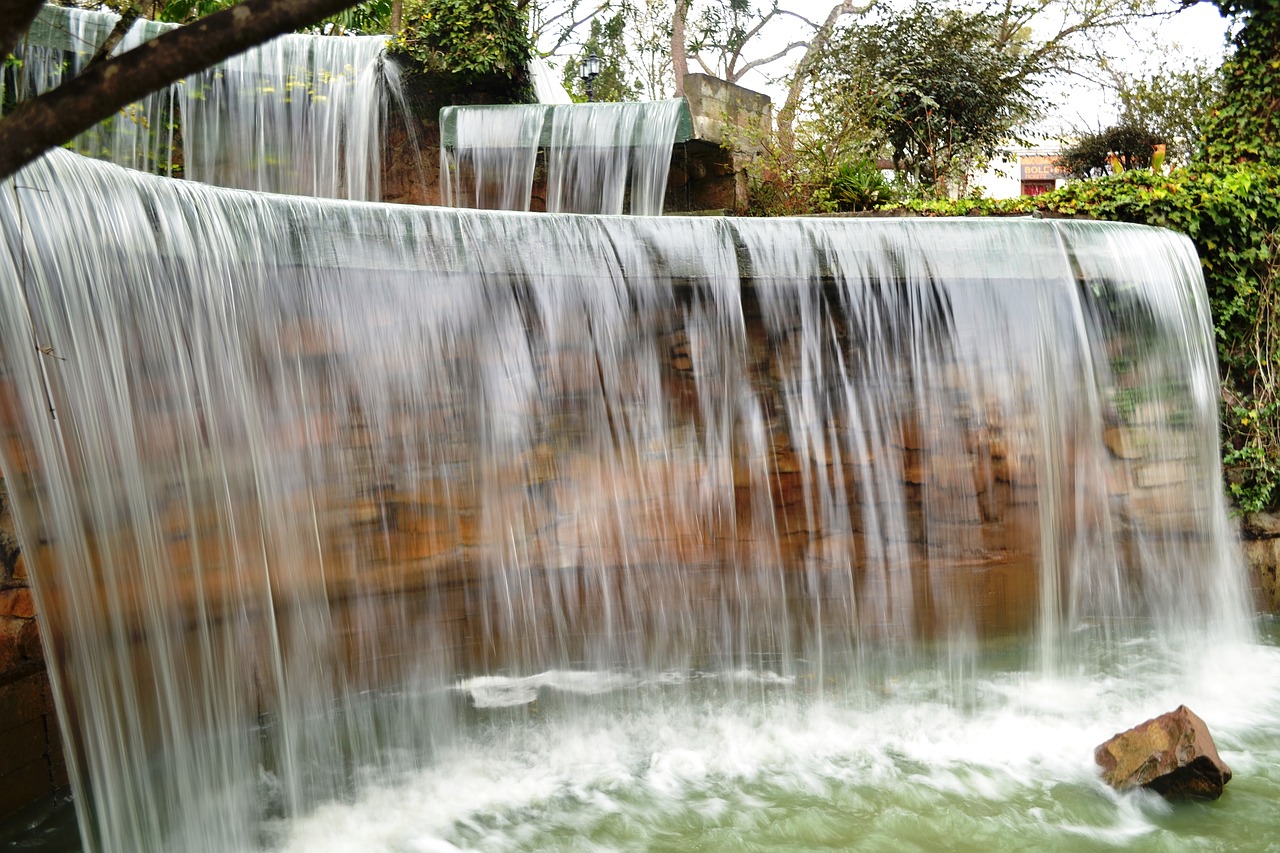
(500, 691)
(1015, 765)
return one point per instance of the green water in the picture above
(998, 760)
(995, 759)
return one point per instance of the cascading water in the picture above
(492, 162)
(362, 527)
(301, 115)
(600, 158)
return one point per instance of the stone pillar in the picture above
(31, 763)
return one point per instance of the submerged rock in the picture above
(1173, 755)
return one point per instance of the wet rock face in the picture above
(1172, 755)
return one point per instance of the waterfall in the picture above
(301, 115)
(546, 85)
(287, 468)
(600, 158)
(492, 162)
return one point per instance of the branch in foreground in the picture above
(106, 87)
(15, 19)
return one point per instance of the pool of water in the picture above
(996, 759)
(993, 757)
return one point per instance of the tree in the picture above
(724, 29)
(605, 41)
(937, 90)
(1131, 144)
(557, 23)
(1061, 36)
(1170, 104)
(679, 46)
(650, 49)
(719, 37)
(111, 84)
(802, 76)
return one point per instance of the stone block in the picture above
(1173, 755)
(1262, 557)
(1157, 474)
(17, 602)
(24, 744)
(725, 113)
(1127, 443)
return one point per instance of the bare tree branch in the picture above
(103, 89)
(567, 30)
(804, 68)
(812, 23)
(765, 60)
(135, 10)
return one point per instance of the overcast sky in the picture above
(1196, 33)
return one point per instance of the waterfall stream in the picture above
(370, 527)
(600, 158)
(300, 114)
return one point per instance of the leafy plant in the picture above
(469, 38)
(939, 90)
(859, 185)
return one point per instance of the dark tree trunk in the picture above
(15, 19)
(679, 54)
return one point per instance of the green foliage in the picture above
(1132, 144)
(186, 11)
(472, 39)
(859, 185)
(1171, 104)
(368, 18)
(371, 16)
(1245, 125)
(939, 90)
(607, 41)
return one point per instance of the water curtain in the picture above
(600, 158)
(284, 468)
(300, 114)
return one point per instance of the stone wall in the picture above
(31, 763)
(1260, 538)
(425, 553)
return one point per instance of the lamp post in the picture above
(589, 71)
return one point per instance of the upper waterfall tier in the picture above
(300, 114)
(600, 158)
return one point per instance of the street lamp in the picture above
(589, 71)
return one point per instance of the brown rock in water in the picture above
(1173, 755)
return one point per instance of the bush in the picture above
(859, 185)
(1090, 156)
(474, 39)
